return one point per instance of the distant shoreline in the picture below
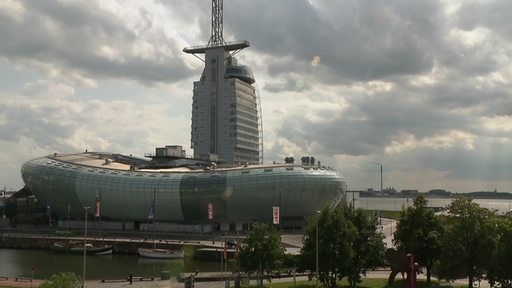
(474, 195)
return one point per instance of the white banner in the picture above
(210, 211)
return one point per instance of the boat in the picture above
(78, 248)
(160, 253)
(154, 252)
(82, 247)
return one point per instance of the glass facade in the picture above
(238, 195)
(225, 111)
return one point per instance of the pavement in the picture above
(15, 283)
(158, 283)
(173, 283)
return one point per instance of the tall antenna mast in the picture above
(216, 39)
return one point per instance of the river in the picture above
(44, 263)
(396, 204)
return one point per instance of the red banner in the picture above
(97, 208)
(275, 214)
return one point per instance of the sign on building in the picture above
(275, 214)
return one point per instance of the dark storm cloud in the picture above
(363, 40)
(372, 123)
(69, 37)
(467, 165)
(394, 42)
(484, 99)
(428, 78)
(494, 15)
(36, 123)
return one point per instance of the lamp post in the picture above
(317, 218)
(85, 247)
(3, 223)
(380, 164)
(280, 210)
(381, 188)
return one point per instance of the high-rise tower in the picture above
(226, 114)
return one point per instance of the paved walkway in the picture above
(174, 284)
(157, 283)
(13, 283)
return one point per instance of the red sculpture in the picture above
(400, 262)
(412, 271)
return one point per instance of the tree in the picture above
(334, 232)
(348, 245)
(500, 270)
(368, 246)
(63, 280)
(467, 242)
(419, 232)
(261, 251)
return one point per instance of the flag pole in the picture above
(154, 208)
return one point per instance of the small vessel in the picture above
(160, 253)
(82, 247)
(154, 252)
(78, 248)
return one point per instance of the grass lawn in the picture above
(367, 283)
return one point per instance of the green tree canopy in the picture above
(348, 245)
(334, 251)
(467, 242)
(368, 246)
(500, 270)
(419, 232)
(261, 250)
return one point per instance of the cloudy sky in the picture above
(422, 87)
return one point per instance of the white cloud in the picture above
(420, 86)
(12, 9)
(452, 139)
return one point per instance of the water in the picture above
(44, 263)
(396, 204)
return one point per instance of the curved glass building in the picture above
(180, 190)
(224, 183)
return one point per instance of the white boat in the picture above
(154, 252)
(160, 253)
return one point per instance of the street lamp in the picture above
(380, 164)
(85, 246)
(3, 223)
(317, 218)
